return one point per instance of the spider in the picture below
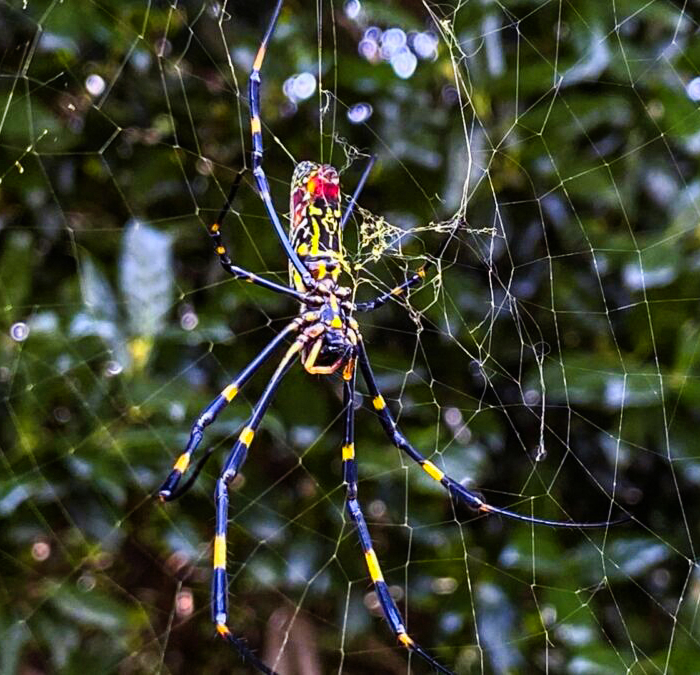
(327, 339)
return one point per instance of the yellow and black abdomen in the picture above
(315, 221)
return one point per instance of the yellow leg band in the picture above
(349, 370)
(183, 461)
(348, 452)
(246, 436)
(222, 629)
(432, 470)
(373, 565)
(219, 551)
(405, 640)
(230, 392)
(259, 58)
(378, 402)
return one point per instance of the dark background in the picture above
(573, 280)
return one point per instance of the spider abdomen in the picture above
(315, 213)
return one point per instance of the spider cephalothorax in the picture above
(333, 333)
(327, 339)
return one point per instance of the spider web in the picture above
(549, 361)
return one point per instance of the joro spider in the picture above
(328, 339)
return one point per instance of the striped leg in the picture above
(457, 491)
(168, 490)
(234, 270)
(389, 609)
(416, 279)
(232, 466)
(257, 154)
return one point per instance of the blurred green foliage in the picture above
(573, 277)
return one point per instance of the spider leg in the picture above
(168, 491)
(416, 279)
(391, 612)
(220, 248)
(457, 491)
(358, 190)
(257, 154)
(232, 466)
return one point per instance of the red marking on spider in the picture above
(297, 198)
(320, 187)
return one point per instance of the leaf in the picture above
(630, 558)
(14, 635)
(63, 639)
(146, 277)
(101, 315)
(96, 291)
(16, 272)
(496, 618)
(91, 608)
(591, 64)
(13, 493)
